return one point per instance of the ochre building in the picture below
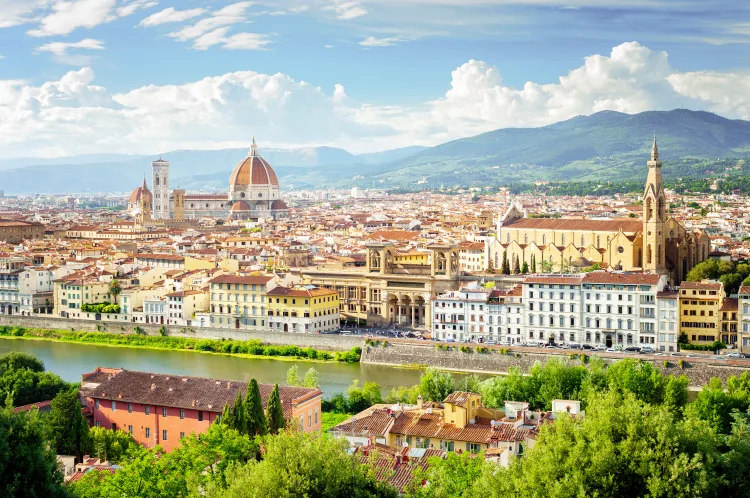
(656, 243)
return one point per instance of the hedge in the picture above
(252, 346)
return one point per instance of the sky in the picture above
(143, 76)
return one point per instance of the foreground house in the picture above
(163, 408)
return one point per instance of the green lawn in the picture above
(331, 419)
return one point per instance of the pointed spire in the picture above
(654, 151)
(144, 181)
(253, 148)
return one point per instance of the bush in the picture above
(466, 349)
(666, 364)
(483, 350)
(714, 346)
(681, 363)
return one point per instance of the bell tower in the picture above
(654, 218)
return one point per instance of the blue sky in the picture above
(99, 75)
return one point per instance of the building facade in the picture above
(700, 316)
(303, 309)
(239, 301)
(160, 185)
(656, 243)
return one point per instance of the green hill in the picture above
(604, 146)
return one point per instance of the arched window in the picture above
(526, 238)
(544, 239)
(648, 254)
(507, 238)
(562, 237)
(598, 242)
(583, 243)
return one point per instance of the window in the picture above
(97, 424)
(164, 435)
(182, 435)
(130, 430)
(148, 432)
(473, 447)
(302, 421)
(147, 409)
(164, 412)
(130, 407)
(200, 416)
(96, 404)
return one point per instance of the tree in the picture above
(505, 270)
(490, 267)
(254, 416)
(611, 452)
(545, 266)
(292, 376)
(451, 477)
(28, 467)
(10, 362)
(435, 384)
(298, 464)
(533, 263)
(516, 267)
(68, 430)
(312, 379)
(239, 417)
(524, 268)
(403, 394)
(364, 397)
(24, 381)
(114, 289)
(275, 412)
(108, 444)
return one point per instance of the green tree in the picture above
(292, 376)
(298, 464)
(28, 467)
(715, 405)
(505, 270)
(639, 378)
(469, 383)
(239, 415)
(312, 379)
(533, 263)
(114, 289)
(524, 268)
(275, 412)
(435, 384)
(403, 394)
(255, 418)
(10, 362)
(24, 381)
(516, 267)
(361, 398)
(109, 444)
(514, 386)
(451, 477)
(68, 429)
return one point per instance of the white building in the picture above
(667, 303)
(461, 315)
(160, 185)
(553, 309)
(35, 291)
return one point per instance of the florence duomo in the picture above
(253, 194)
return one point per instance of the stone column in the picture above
(412, 314)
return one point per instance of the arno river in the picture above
(69, 361)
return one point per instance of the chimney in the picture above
(153, 387)
(420, 404)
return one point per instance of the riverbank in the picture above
(251, 348)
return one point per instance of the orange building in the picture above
(162, 408)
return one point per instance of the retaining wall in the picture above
(331, 342)
(698, 371)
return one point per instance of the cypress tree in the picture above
(525, 268)
(256, 420)
(226, 415)
(239, 420)
(516, 267)
(506, 266)
(274, 412)
(533, 264)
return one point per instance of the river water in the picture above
(70, 360)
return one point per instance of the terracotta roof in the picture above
(602, 277)
(196, 393)
(253, 170)
(241, 279)
(554, 279)
(375, 423)
(288, 291)
(701, 285)
(431, 425)
(626, 224)
(169, 257)
(729, 304)
(458, 398)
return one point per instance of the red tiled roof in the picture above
(626, 224)
(602, 277)
(241, 279)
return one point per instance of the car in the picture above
(575, 346)
(551, 346)
(692, 356)
(632, 349)
(600, 348)
(490, 342)
(735, 355)
(612, 350)
(587, 346)
(648, 350)
(675, 354)
(660, 354)
(450, 339)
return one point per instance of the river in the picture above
(70, 360)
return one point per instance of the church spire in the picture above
(654, 151)
(144, 182)
(253, 148)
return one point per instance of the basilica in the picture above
(253, 194)
(656, 243)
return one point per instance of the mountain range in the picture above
(607, 145)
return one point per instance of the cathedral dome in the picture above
(240, 206)
(138, 193)
(253, 171)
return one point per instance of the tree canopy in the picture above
(24, 381)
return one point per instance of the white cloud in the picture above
(60, 48)
(372, 41)
(171, 15)
(2, 56)
(246, 41)
(68, 15)
(15, 12)
(347, 9)
(213, 29)
(73, 115)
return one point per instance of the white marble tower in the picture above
(160, 187)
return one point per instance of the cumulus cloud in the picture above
(372, 41)
(66, 16)
(74, 115)
(14, 12)
(171, 15)
(214, 30)
(60, 48)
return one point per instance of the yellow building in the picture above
(700, 311)
(72, 291)
(729, 321)
(656, 243)
(303, 309)
(239, 301)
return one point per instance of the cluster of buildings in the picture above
(594, 271)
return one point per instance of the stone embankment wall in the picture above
(698, 371)
(332, 342)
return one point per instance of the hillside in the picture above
(604, 146)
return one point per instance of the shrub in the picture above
(482, 349)
(681, 363)
(465, 349)
(666, 364)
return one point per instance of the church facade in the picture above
(656, 243)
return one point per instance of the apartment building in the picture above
(36, 290)
(462, 315)
(239, 301)
(304, 309)
(700, 311)
(668, 320)
(183, 305)
(504, 316)
(729, 320)
(161, 409)
(553, 308)
(11, 267)
(743, 318)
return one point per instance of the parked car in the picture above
(692, 356)
(600, 348)
(648, 350)
(551, 346)
(587, 346)
(575, 346)
(736, 355)
(675, 354)
(611, 350)
(660, 354)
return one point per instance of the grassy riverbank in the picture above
(251, 347)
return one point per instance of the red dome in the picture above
(240, 206)
(253, 170)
